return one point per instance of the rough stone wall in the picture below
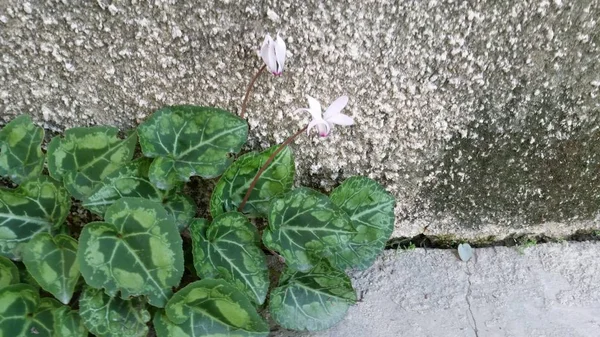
(481, 117)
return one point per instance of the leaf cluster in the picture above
(130, 270)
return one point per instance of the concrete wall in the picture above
(481, 117)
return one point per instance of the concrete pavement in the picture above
(548, 290)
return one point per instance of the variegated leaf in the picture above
(189, 140)
(25, 276)
(306, 227)
(229, 248)
(67, 323)
(137, 251)
(371, 209)
(52, 263)
(209, 308)
(314, 300)
(24, 314)
(131, 180)
(181, 207)
(37, 205)
(21, 156)
(9, 273)
(85, 156)
(277, 179)
(109, 316)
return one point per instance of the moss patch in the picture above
(452, 242)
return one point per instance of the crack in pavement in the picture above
(474, 324)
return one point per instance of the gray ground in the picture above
(482, 119)
(547, 290)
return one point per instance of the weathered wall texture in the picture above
(480, 117)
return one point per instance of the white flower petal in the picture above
(336, 107)
(280, 53)
(314, 105)
(319, 123)
(311, 125)
(267, 52)
(323, 129)
(340, 119)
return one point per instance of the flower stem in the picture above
(266, 164)
(249, 88)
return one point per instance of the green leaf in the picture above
(130, 180)
(306, 227)
(37, 205)
(277, 179)
(21, 156)
(371, 209)
(315, 300)
(9, 273)
(210, 308)
(229, 248)
(181, 207)
(109, 316)
(165, 328)
(189, 140)
(43, 318)
(24, 314)
(137, 251)
(85, 156)
(25, 276)
(52, 263)
(67, 323)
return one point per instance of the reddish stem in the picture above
(249, 89)
(265, 165)
(279, 257)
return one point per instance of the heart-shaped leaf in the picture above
(21, 156)
(131, 180)
(52, 262)
(189, 140)
(229, 248)
(277, 179)
(37, 205)
(315, 300)
(181, 207)
(67, 323)
(25, 276)
(9, 273)
(109, 316)
(210, 308)
(137, 251)
(24, 314)
(306, 227)
(371, 209)
(85, 156)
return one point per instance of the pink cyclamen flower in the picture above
(331, 117)
(273, 53)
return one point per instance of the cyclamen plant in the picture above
(135, 275)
